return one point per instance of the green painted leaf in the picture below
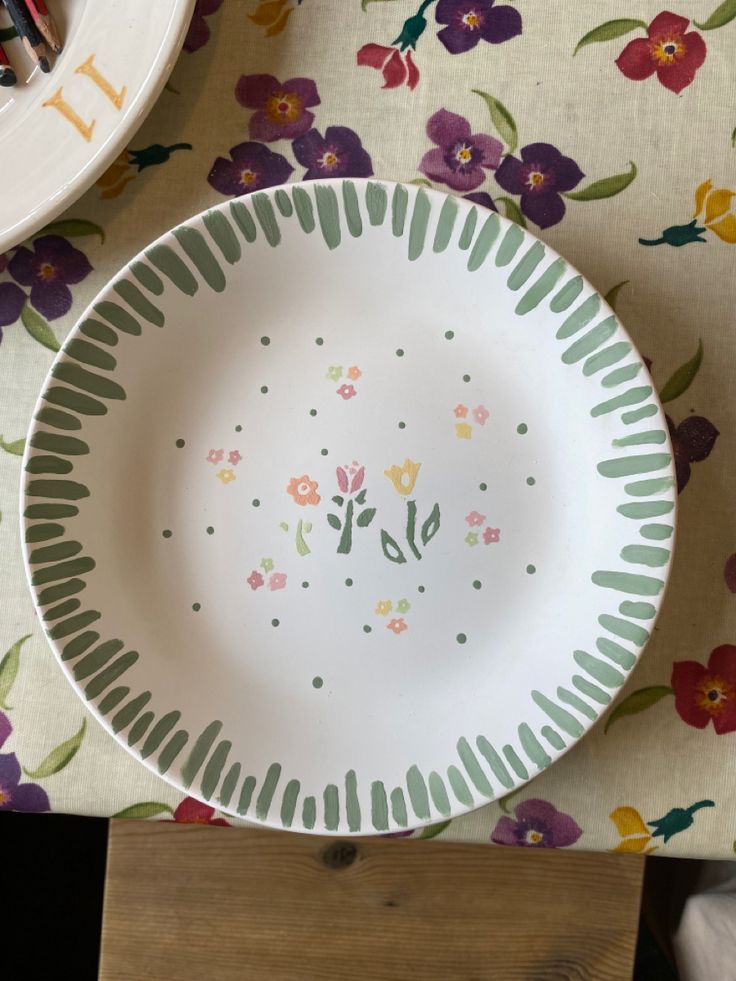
(72, 228)
(680, 380)
(391, 548)
(334, 522)
(338, 500)
(148, 809)
(365, 517)
(605, 188)
(513, 211)
(431, 526)
(609, 31)
(434, 829)
(58, 758)
(612, 295)
(421, 182)
(38, 328)
(9, 669)
(637, 702)
(7, 34)
(501, 119)
(721, 16)
(16, 447)
(360, 498)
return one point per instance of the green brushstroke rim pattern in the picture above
(197, 255)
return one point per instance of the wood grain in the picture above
(188, 903)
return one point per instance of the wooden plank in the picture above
(190, 902)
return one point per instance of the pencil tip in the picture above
(43, 64)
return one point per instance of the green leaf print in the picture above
(9, 670)
(72, 228)
(501, 119)
(721, 16)
(609, 31)
(58, 758)
(682, 379)
(148, 809)
(16, 447)
(637, 702)
(38, 328)
(607, 187)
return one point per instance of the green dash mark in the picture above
(620, 375)
(352, 806)
(62, 610)
(466, 236)
(588, 343)
(515, 762)
(283, 203)
(379, 806)
(304, 210)
(417, 789)
(445, 224)
(267, 218)
(109, 674)
(627, 582)
(48, 511)
(113, 699)
(649, 555)
(62, 570)
(509, 245)
(172, 266)
(263, 801)
(553, 738)
(223, 235)
(473, 768)
(645, 488)
(533, 748)
(309, 813)
(195, 246)
(331, 799)
(74, 624)
(486, 237)
(640, 439)
(644, 413)
(626, 466)
(288, 802)
(525, 268)
(603, 673)
(79, 644)
(631, 397)
(57, 419)
(656, 532)
(118, 317)
(543, 286)
(580, 317)
(139, 728)
(571, 699)
(49, 465)
(244, 220)
(42, 533)
(137, 301)
(590, 690)
(398, 807)
(246, 795)
(495, 762)
(88, 381)
(172, 749)
(229, 784)
(90, 354)
(97, 331)
(615, 652)
(352, 209)
(567, 295)
(399, 204)
(76, 401)
(459, 787)
(55, 443)
(645, 509)
(624, 628)
(376, 202)
(159, 732)
(642, 611)
(561, 717)
(198, 753)
(606, 357)
(147, 277)
(91, 663)
(439, 794)
(329, 215)
(418, 226)
(123, 718)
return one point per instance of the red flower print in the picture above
(234, 457)
(255, 580)
(491, 536)
(396, 69)
(705, 694)
(192, 811)
(670, 52)
(215, 456)
(347, 392)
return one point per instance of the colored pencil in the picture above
(28, 33)
(45, 23)
(7, 75)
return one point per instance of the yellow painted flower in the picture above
(226, 476)
(383, 608)
(404, 477)
(463, 430)
(635, 835)
(719, 214)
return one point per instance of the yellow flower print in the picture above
(404, 477)
(115, 178)
(271, 14)
(463, 430)
(719, 216)
(383, 608)
(226, 476)
(635, 835)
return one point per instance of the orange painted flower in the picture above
(271, 14)
(460, 411)
(304, 490)
(719, 215)
(398, 625)
(354, 372)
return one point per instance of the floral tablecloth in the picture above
(609, 129)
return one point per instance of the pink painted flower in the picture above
(255, 580)
(347, 392)
(492, 535)
(461, 411)
(277, 581)
(481, 414)
(350, 479)
(234, 457)
(215, 456)
(397, 625)
(474, 519)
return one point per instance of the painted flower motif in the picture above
(334, 372)
(404, 477)
(354, 372)
(252, 166)
(398, 625)
(199, 32)
(481, 414)
(538, 824)
(49, 269)
(403, 606)
(474, 519)
(15, 796)
(226, 476)
(267, 565)
(472, 538)
(718, 202)
(471, 21)
(346, 392)
(215, 456)
(192, 811)
(338, 154)
(540, 177)
(12, 299)
(350, 479)
(281, 109)
(304, 490)
(277, 581)
(463, 430)
(707, 694)
(459, 157)
(667, 50)
(461, 411)
(692, 441)
(234, 457)
(255, 580)
(396, 69)
(635, 835)
(272, 14)
(491, 536)
(384, 607)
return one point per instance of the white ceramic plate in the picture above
(60, 131)
(348, 506)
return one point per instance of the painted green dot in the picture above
(305, 585)
(449, 334)
(483, 486)
(323, 452)
(255, 502)
(264, 389)
(477, 584)
(317, 682)
(348, 582)
(180, 443)
(313, 412)
(319, 341)
(461, 638)
(167, 533)
(466, 378)
(210, 530)
(531, 481)
(531, 569)
(402, 425)
(420, 589)
(238, 429)
(522, 428)
(265, 341)
(399, 352)
(274, 623)
(196, 607)
(366, 628)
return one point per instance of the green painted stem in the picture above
(411, 526)
(301, 546)
(346, 539)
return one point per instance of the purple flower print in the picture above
(539, 177)
(252, 167)
(49, 269)
(338, 154)
(13, 795)
(281, 110)
(482, 198)
(5, 728)
(471, 21)
(537, 825)
(692, 441)
(459, 156)
(12, 299)
(199, 33)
